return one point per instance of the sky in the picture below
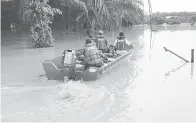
(171, 5)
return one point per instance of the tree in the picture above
(193, 20)
(39, 14)
(91, 14)
(105, 13)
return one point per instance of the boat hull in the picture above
(54, 69)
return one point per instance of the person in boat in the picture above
(92, 38)
(101, 42)
(92, 56)
(121, 43)
(79, 52)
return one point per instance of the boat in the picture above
(54, 68)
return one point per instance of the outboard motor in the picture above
(69, 63)
(69, 58)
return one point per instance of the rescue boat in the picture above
(55, 70)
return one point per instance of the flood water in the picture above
(149, 85)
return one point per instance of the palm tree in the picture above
(95, 13)
(109, 13)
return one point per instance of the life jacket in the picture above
(91, 54)
(101, 43)
(69, 58)
(121, 44)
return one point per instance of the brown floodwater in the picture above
(149, 85)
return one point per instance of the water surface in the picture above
(149, 85)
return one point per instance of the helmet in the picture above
(121, 34)
(90, 36)
(100, 32)
(88, 41)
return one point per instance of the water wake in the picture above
(77, 92)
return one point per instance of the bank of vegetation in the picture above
(173, 18)
(41, 16)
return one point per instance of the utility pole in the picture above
(192, 55)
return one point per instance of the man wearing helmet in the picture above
(101, 42)
(92, 56)
(121, 43)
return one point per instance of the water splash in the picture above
(73, 89)
(77, 92)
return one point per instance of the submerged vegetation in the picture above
(39, 15)
(69, 15)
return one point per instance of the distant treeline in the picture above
(76, 14)
(172, 17)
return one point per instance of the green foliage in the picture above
(173, 20)
(40, 15)
(86, 13)
(193, 20)
(105, 13)
(176, 17)
(158, 20)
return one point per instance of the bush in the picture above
(40, 16)
(159, 20)
(173, 20)
(193, 20)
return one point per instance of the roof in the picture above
(168, 17)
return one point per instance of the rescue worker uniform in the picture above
(92, 56)
(121, 43)
(101, 42)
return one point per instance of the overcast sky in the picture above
(171, 5)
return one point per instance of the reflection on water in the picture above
(174, 70)
(165, 90)
(192, 70)
(172, 28)
(137, 89)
